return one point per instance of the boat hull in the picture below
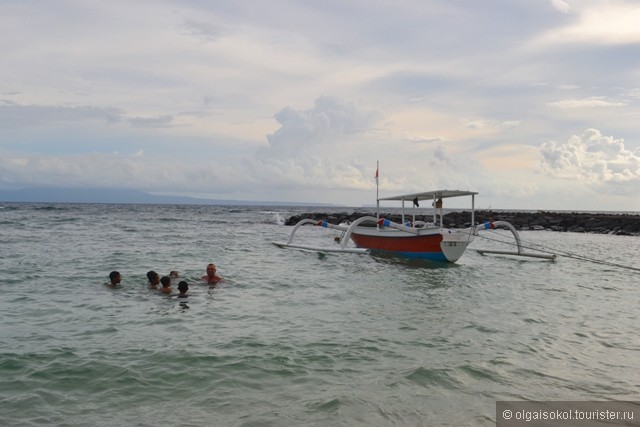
(434, 245)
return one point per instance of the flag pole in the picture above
(377, 190)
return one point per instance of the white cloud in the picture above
(613, 22)
(310, 173)
(324, 127)
(426, 139)
(491, 124)
(590, 102)
(561, 6)
(592, 158)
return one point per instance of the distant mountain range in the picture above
(101, 195)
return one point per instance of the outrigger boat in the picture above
(410, 238)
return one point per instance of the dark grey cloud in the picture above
(203, 30)
(13, 115)
(150, 122)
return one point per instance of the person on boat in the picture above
(183, 288)
(166, 285)
(154, 279)
(114, 279)
(211, 277)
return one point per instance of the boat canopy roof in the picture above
(430, 195)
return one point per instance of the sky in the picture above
(534, 104)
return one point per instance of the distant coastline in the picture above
(102, 195)
(324, 210)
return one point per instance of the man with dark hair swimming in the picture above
(154, 279)
(166, 285)
(211, 277)
(114, 279)
(183, 288)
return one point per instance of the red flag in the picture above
(376, 173)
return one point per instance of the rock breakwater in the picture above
(578, 222)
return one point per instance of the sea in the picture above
(297, 338)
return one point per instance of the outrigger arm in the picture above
(343, 242)
(494, 224)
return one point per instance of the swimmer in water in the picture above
(166, 285)
(183, 288)
(114, 279)
(154, 279)
(211, 277)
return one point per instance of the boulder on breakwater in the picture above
(578, 222)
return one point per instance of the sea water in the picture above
(296, 337)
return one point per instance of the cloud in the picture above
(13, 115)
(310, 173)
(491, 124)
(134, 171)
(203, 31)
(427, 139)
(440, 157)
(315, 148)
(158, 121)
(592, 158)
(560, 6)
(603, 23)
(330, 122)
(590, 102)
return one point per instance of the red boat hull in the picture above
(427, 246)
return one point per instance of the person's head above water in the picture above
(211, 276)
(114, 279)
(154, 278)
(183, 286)
(166, 281)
